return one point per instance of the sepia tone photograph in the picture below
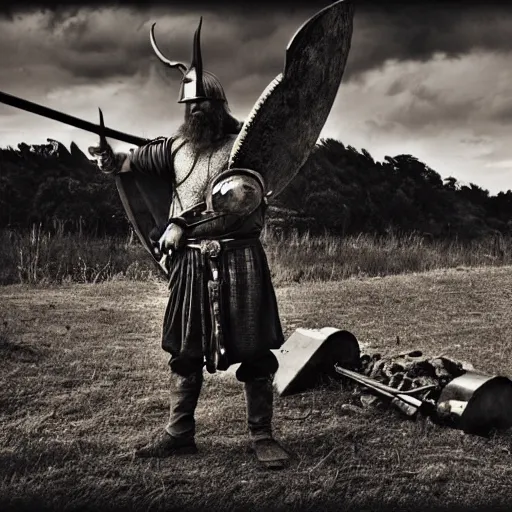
(255, 255)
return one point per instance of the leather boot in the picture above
(184, 396)
(259, 396)
(178, 436)
(165, 445)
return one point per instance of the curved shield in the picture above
(146, 201)
(285, 123)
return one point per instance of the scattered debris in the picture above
(405, 402)
(449, 391)
(410, 370)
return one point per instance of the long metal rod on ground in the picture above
(350, 373)
(409, 405)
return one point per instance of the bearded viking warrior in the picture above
(204, 191)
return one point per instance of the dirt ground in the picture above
(83, 380)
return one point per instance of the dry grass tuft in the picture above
(10, 350)
(301, 258)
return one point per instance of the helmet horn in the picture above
(197, 60)
(161, 56)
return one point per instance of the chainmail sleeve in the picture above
(154, 159)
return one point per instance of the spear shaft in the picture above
(40, 110)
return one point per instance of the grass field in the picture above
(83, 380)
(39, 257)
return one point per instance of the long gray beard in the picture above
(202, 131)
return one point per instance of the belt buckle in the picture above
(211, 248)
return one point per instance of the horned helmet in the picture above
(197, 84)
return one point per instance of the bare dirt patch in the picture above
(83, 380)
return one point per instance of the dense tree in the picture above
(349, 192)
(49, 185)
(339, 189)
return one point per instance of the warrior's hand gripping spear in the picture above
(108, 162)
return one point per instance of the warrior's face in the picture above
(200, 109)
(204, 123)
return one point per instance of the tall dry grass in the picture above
(40, 257)
(298, 258)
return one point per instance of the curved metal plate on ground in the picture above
(285, 123)
(146, 201)
(309, 355)
(487, 402)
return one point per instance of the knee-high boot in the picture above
(260, 404)
(259, 397)
(185, 393)
(178, 436)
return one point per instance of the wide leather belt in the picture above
(225, 243)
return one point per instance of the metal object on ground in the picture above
(477, 403)
(406, 403)
(309, 355)
(367, 380)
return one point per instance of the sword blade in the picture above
(40, 110)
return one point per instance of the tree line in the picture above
(339, 190)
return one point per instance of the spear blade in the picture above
(103, 138)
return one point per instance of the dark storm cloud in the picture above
(248, 38)
(246, 48)
(112, 43)
(383, 30)
(88, 48)
(503, 114)
(417, 31)
(9, 6)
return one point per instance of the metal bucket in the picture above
(477, 403)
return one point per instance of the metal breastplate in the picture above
(193, 173)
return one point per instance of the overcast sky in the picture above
(431, 79)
